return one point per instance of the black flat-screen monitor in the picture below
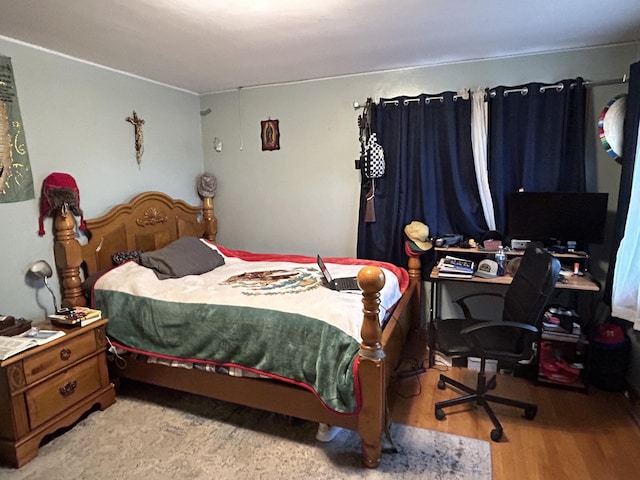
(552, 217)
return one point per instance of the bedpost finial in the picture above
(371, 279)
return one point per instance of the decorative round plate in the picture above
(611, 126)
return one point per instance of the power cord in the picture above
(114, 355)
(412, 373)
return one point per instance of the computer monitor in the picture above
(552, 217)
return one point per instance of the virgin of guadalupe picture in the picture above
(270, 135)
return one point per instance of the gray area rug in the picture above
(155, 434)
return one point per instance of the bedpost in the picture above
(415, 268)
(209, 219)
(371, 367)
(68, 257)
(415, 276)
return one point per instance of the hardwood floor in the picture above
(574, 435)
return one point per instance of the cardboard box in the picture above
(473, 363)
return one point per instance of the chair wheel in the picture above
(496, 434)
(440, 414)
(441, 385)
(530, 413)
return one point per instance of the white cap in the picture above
(487, 269)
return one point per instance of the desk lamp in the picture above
(41, 269)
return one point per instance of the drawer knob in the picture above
(65, 354)
(68, 388)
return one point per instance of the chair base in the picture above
(480, 396)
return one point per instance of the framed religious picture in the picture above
(270, 135)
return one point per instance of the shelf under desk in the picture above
(575, 283)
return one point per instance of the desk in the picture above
(575, 283)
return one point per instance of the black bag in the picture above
(609, 358)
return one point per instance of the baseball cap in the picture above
(487, 269)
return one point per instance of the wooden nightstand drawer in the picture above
(62, 391)
(56, 358)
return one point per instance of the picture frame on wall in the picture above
(270, 134)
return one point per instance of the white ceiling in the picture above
(205, 46)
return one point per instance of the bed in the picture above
(154, 222)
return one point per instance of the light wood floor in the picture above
(574, 435)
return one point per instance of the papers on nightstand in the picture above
(10, 346)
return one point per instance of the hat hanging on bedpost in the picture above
(206, 187)
(207, 184)
(58, 190)
(418, 239)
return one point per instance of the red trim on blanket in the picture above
(256, 371)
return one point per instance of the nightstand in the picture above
(51, 386)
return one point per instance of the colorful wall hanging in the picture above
(16, 179)
(611, 126)
(270, 135)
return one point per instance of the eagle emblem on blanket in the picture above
(275, 282)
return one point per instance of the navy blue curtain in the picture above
(430, 175)
(536, 140)
(629, 145)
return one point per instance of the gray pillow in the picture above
(185, 256)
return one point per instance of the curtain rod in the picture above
(406, 101)
(613, 81)
(427, 100)
(524, 91)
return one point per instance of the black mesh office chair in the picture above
(511, 339)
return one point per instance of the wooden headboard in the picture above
(149, 221)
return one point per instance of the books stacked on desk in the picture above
(76, 317)
(454, 267)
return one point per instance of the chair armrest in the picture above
(501, 324)
(462, 298)
(461, 301)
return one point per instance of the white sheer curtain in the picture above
(625, 298)
(479, 135)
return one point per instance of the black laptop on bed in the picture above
(338, 284)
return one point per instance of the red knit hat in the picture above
(58, 189)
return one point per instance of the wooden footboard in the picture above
(153, 220)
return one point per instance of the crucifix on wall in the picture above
(137, 123)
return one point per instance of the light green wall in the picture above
(303, 198)
(74, 117)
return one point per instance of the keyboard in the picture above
(346, 283)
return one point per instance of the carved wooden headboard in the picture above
(149, 221)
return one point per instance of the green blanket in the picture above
(288, 346)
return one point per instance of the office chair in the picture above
(511, 339)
